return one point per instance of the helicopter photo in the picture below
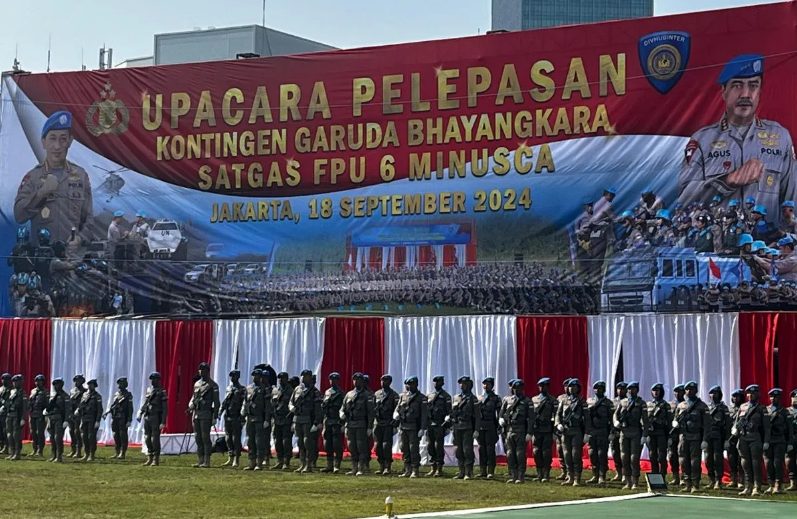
(113, 184)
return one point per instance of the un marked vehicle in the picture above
(165, 240)
(663, 278)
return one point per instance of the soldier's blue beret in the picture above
(141, 214)
(463, 379)
(788, 203)
(658, 386)
(760, 209)
(574, 382)
(738, 392)
(79, 376)
(92, 382)
(742, 66)
(16, 377)
(598, 384)
(334, 375)
(611, 189)
(411, 380)
(438, 378)
(544, 381)
(678, 387)
(749, 200)
(511, 382)
(633, 384)
(154, 375)
(690, 385)
(121, 379)
(38, 378)
(716, 198)
(57, 380)
(745, 239)
(61, 120)
(566, 381)
(775, 391)
(621, 385)
(715, 389)
(204, 365)
(786, 240)
(257, 372)
(235, 373)
(751, 388)
(387, 377)
(518, 382)
(118, 214)
(489, 380)
(5, 376)
(357, 376)
(734, 202)
(282, 374)
(306, 373)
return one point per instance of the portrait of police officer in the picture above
(742, 155)
(56, 194)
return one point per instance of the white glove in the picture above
(421, 433)
(734, 431)
(22, 423)
(475, 435)
(501, 422)
(703, 446)
(674, 424)
(727, 445)
(790, 448)
(128, 424)
(314, 428)
(447, 418)
(560, 427)
(616, 424)
(341, 414)
(766, 446)
(586, 438)
(396, 414)
(369, 432)
(162, 427)
(528, 438)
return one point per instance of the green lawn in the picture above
(35, 488)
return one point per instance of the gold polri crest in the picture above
(772, 140)
(107, 114)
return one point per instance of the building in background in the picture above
(214, 44)
(516, 15)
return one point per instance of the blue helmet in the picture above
(745, 239)
(23, 278)
(23, 233)
(750, 200)
(663, 213)
(611, 189)
(760, 209)
(786, 240)
(34, 283)
(44, 235)
(788, 203)
(734, 202)
(626, 214)
(716, 198)
(758, 245)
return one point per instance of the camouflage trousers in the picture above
(152, 435)
(233, 426)
(690, 456)
(488, 439)
(435, 445)
(463, 441)
(76, 438)
(89, 434)
(516, 454)
(13, 435)
(734, 460)
(256, 440)
(333, 442)
(120, 438)
(37, 428)
(631, 448)
(572, 447)
(410, 448)
(774, 458)
(358, 444)
(383, 439)
(657, 450)
(599, 454)
(750, 452)
(673, 454)
(55, 427)
(283, 442)
(543, 455)
(715, 461)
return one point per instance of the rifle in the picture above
(114, 406)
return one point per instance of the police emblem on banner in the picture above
(663, 56)
(107, 114)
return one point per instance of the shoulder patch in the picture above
(689, 151)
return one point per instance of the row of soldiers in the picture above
(678, 431)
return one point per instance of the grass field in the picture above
(35, 488)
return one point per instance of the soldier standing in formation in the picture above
(691, 420)
(283, 437)
(675, 438)
(572, 426)
(154, 411)
(620, 392)
(412, 414)
(89, 412)
(752, 429)
(37, 403)
(385, 402)
(719, 432)
(305, 404)
(121, 411)
(76, 396)
(439, 402)
(357, 415)
(255, 412)
(791, 450)
(59, 407)
(780, 436)
(734, 460)
(560, 449)
(233, 421)
(544, 409)
(5, 392)
(268, 424)
(204, 409)
(333, 433)
(631, 419)
(16, 408)
(660, 417)
(516, 418)
(599, 423)
(489, 406)
(465, 422)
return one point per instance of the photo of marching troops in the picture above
(678, 433)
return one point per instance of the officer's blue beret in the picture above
(566, 381)
(758, 245)
(658, 386)
(775, 391)
(511, 382)
(751, 388)
(92, 382)
(366, 377)
(5, 376)
(334, 375)
(621, 385)
(598, 384)
(626, 214)
(633, 384)
(235, 373)
(749, 200)
(738, 392)
(574, 382)
(438, 378)
(387, 377)
(38, 378)
(58, 121)
(204, 365)
(742, 66)
(788, 203)
(544, 381)
(154, 375)
(121, 379)
(793, 393)
(518, 382)
(733, 202)
(489, 380)
(774, 252)
(257, 372)
(57, 380)
(715, 389)
(411, 380)
(664, 213)
(141, 214)
(690, 385)
(463, 379)
(118, 214)
(306, 373)
(760, 209)
(16, 377)
(611, 189)
(79, 376)
(282, 374)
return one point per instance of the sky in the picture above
(76, 29)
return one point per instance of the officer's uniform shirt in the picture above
(385, 402)
(17, 403)
(234, 400)
(254, 407)
(90, 407)
(752, 422)
(719, 149)
(599, 415)
(465, 412)
(489, 406)
(76, 396)
(413, 411)
(544, 408)
(660, 416)
(633, 416)
(122, 405)
(114, 232)
(38, 402)
(59, 407)
(69, 206)
(730, 237)
(141, 229)
(439, 403)
(280, 399)
(331, 404)
(5, 393)
(571, 413)
(305, 404)
(518, 414)
(155, 404)
(780, 427)
(719, 420)
(787, 267)
(205, 400)
(358, 408)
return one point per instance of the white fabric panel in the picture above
(477, 346)
(461, 254)
(386, 254)
(604, 343)
(438, 256)
(677, 348)
(106, 350)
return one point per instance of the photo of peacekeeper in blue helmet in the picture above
(55, 194)
(742, 155)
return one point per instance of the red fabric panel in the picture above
(399, 257)
(375, 258)
(786, 342)
(449, 255)
(179, 348)
(552, 346)
(757, 349)
(353, 344)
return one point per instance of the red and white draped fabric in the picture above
(554, 347)
(353, 344)
(106, 351)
